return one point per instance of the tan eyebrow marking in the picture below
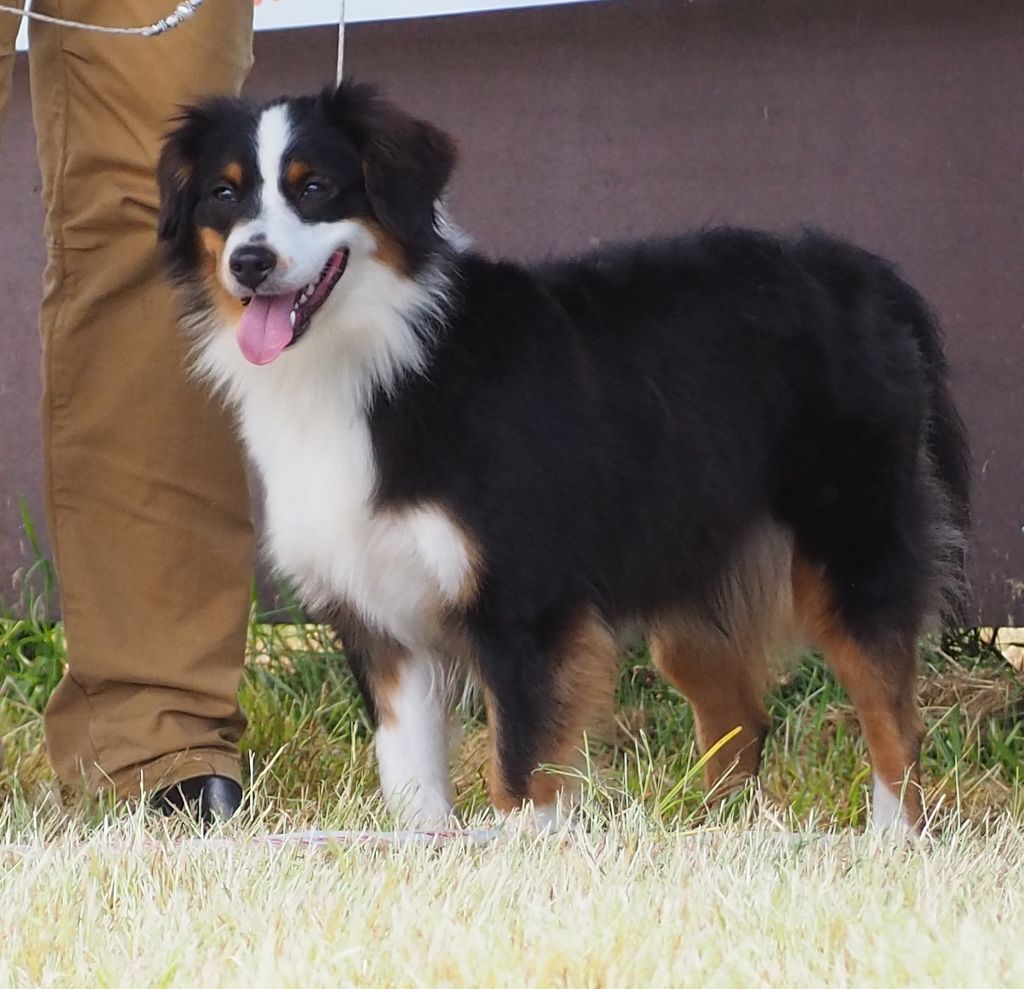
(233, 172)
(297, 170)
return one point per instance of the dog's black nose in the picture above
(251, 264)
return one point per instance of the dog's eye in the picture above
(224, 193)
(316, 188)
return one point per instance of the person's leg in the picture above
(9, 25)
(147, 500)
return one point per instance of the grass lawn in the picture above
(779, 888)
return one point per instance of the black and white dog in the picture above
(737, 443)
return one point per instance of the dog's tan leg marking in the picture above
(726, 690)
(582, 700)
(883, 688)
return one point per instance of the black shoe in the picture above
(208, 799)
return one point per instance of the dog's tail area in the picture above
(944, 461)
(947, 444)
(946, 439)
(945, 450)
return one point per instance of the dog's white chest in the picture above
(393, 567)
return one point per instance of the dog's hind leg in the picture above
(881, 680)
(882, 687)
(542, 699)
(726, 690)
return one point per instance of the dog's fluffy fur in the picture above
(732, 441)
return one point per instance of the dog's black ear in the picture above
(407, 162)
(175, 177)
(176, 174)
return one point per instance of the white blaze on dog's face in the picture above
(285, 262)
(282, 210)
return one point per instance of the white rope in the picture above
(341, 43)
(181, 13)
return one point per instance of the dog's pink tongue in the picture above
(265, 329)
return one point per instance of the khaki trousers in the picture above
(147, 501)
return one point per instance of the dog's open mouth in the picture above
(270, 323)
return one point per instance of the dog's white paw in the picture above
(889, 816)
(417, 807)
(548, 819)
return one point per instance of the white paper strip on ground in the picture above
(295, 839)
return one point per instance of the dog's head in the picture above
(274, 212)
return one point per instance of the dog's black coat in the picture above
(613, 429)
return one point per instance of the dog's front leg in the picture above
(409, 695)
(543, 696)
(413, 708)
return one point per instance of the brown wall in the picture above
(894, 123)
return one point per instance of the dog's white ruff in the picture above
(304, 422)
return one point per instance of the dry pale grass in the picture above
(640, 896)
(633, 904)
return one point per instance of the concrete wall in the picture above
(897, 124)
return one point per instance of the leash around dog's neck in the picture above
(181, 13)
(341, 43)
